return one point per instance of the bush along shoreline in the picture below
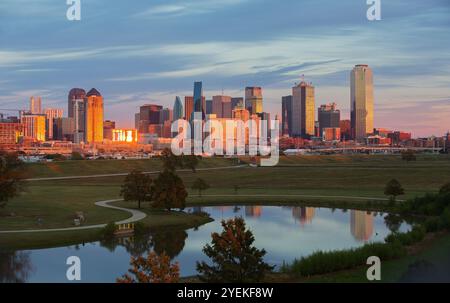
(434, 208)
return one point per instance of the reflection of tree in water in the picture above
(15, 267)
(169, 241)
(393, 222)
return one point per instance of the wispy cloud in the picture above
(188, 7)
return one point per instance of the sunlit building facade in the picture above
(303, 110)
(34, 127)
(76, 110)
(36, 105)
(254, 100)
(125, 135)
(361, 101)
(94, 116)
(51, 114)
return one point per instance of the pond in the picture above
(285, 233)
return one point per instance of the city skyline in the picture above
(153, 66)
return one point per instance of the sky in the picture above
(138, 52)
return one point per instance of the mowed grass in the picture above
(95, 167)
(56, 204)
(328, 178)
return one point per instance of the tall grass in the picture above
(326, 262)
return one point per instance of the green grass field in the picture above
(324, 177)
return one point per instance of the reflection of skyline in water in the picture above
(272, 226)
(304, 215)
(361, 225)
(15, 267)
(253, 211)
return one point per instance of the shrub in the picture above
(433, 224)
(445, 218)
(326, 262)
(415, 235)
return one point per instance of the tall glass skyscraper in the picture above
(198, 97)
(361, 101)
(177, 109)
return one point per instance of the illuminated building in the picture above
(361, 101)
(254, 100)
(51, 114)
(108, 127)
(303, 110)
(286, 116)
(331, 134)
(125, 135)
(94, 116)
(34, 127)
(241, 114)
(10, 133)
(177, 109)
(188, 107)
(361, 225)
(166, 114)
(35, 105)
(76, 110)
(329, 117)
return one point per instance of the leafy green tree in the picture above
(234, 258)
(169, 191)
(137, 187)
(445, 189)
(172, 162)
(393, 189)
(200, 185)
(11, 177)
(409, 156)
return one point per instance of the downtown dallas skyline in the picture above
(150, 52)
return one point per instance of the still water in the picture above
(285, 233)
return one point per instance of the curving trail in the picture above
(136, 215)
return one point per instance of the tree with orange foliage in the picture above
(153, 269)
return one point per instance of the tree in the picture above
(409, 156)
(76, 156)
(234, 258)
(169, 191)
(200, 185)
(137, 187)
(153, 269)
(445, 189)
(170, 161)
(393, 189)
(190, 161)
(11, 176)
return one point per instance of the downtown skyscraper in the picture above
(94, 116)
(361, 101)
(303, 110)
(76, 110)
(177, 109)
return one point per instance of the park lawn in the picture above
(157, 218)
(57, 204)
(95, 167)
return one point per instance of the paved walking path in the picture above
(136, 215)
(125, 174)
